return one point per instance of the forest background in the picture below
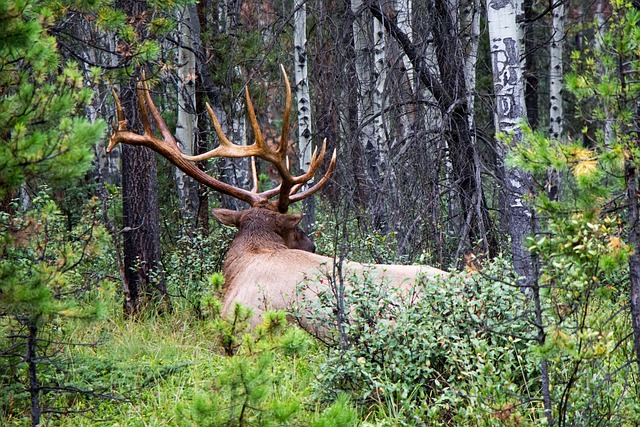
(495, 140)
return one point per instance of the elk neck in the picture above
(258, 232)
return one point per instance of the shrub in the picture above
(446, 353)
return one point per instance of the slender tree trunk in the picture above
(32, 363)
(369, 44)
(187, 119)
(556, 112)
(301, 80)
(469, 27)
(141, 242)
(510, 109)
(530, 64)
(504, 37)
(631, 179)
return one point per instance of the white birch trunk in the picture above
(362, 47)
(508, 83)
(378, 99)
(555, 74)
(370, 104)
(302, 84)
(187, 119)
(609, 134)
(403, 10)
(470, 28)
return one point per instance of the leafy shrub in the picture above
(443, 354)
(192, 269)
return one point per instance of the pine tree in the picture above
(44, 142)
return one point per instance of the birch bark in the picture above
(368, 37)
(556, 71)
(305, 135)
(505, 39)
(508, 85)
(187, 119)
(302, 83)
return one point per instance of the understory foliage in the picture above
(583, 243)
(49, 276)
(451, 352)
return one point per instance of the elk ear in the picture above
(228, 217)
(288, 221)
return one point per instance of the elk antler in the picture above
(287, 191)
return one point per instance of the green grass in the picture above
(159, 369)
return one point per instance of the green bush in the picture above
(443, 354)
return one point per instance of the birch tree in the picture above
(508, 83)
(187, 119)
(302, 83)
(305, 135)
(556, 48)
(368, 37)
(510, 109)
(469, 27)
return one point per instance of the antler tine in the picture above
(325, 178)
(226, 147)
(168, 148)
(145, 100)
(143, 91)
(119, 123)
(257, 133)
(122, 123)
(284, 138)
(314, 165)
(254, 175)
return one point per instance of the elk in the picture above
(270, 255)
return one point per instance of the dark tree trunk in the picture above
(141, 245)
(32, 363)
(631, 178)
(144, 280)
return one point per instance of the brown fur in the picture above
(262, 272)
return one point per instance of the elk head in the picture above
(277, 200)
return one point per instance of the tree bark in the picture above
(187, 119)
(32, 363)
(631, 180)
(369, 45)
(141, 244)
(504, 39)
(510, 110)
(301, 80)
(556, 112)
(144, 280)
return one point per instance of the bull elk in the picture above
(270, 256)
